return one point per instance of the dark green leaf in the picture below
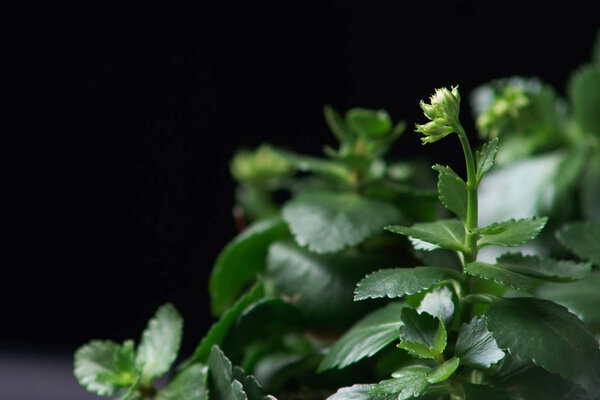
(486, 158)
(359, 392)
(365, 338)
(515, 233)
(219, 330)
(438, 303)
(452, 191)
(547, 334)
(584, 93)
(475, 345)
(448, 234)
(188, 384)
(544, 268)
(501, 275)
(583, 238)
(408, 382)
(252, 388)
(222, 384)
(328, 222)
(240, 261)
(483, 392)
(398, 282)
(369, 123)
(422, 334)
(582, 298)
(160, 343)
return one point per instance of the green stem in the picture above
(471, 222)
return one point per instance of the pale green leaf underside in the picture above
(447, 234)
(398, 282)
(188, 384)
(583, 239)
(498, 273)
(160, 342)
(365, 338)
(223, 385)
(93, 359)
(452, 191)
(359, 392)
(512, 233)
(544, 268)
(328, 222)
(475, 345)
(438, 303)
(547, 334)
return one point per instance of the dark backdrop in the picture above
(130, 118)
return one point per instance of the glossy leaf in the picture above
(452, 191)
(486, 158)
(160, 343)
(476, 346)
(511, 233)
(222, 384)
(359, 392)
(365, 338)
(398, 282)
(219, 330)
(447, 234)
(328, 222)
(547, 334)
(422, 334)
(409, 382)
(544, 268)
(188, 384)
(438, 303)
(252, 388)
(443, 371)
(499, 274)
(240, 261)
(583, 239)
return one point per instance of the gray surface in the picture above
(39, 376)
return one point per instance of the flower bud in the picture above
(443, 112)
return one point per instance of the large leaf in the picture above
(398, 282)
(328, 222)
(359, 392)
(544, 268)
(583, 238)
(240, 261)
(365, 338)
(511, 233)
(188, 384)
(486, 158)
(422, 334)
(498, 273)
(475, 345)
(584, 93)
(219, 330)
(319, 285)
(447, 234)
(547, 334)
(483, 392)
(452, 191)
(223, 386)
(160, 343)
(582, 298)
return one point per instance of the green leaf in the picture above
(124, 358)
(443, 371)
(438, 303)
(452, 191)
(253, 389)
(160, 343)
(326, 168)
(583, 239)
(319, 285)
(219, 330)
(544, 268)
(328, 222)
(584, 93)
(240, 261)
(359, 392)
(475, 345)
(447, 234)
(515, 233)
(222, 384)
(365, 338)
(486, 158)
(369, 123)
(479, 392)
(582, 298)
(398, 282)
(422, 334)
(188, 384)
(408, 382)
(337, 125)
(501, 275)
(547, 334)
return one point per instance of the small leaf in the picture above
(332, 169)
(583, 239)
(547, 334)
(160, 343)
(328, 222)
(409, 382)
(222, 384)
(448, 234)
(398, 282)
(356, 392)
(365, 338)
(94, 367)
(475, 345)
(219, 330)
(337, 125)
(486, 158)
(367, 123)
(501, 275)
(544, 268)
(188, 384)
(241, 260)
(443, 371)
(422, 334)
(452, 191)
(252, 388)
(438, 303)
(516, 233)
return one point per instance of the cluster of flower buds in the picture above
(443, 112)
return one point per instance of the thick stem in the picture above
(471, 222)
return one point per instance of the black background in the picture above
(126, 121)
